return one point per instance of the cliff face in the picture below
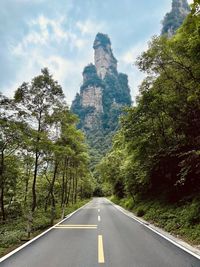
(105, 62)
(102, 96)
(174, 19)
(92, 97)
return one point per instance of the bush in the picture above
(140, 212)
(193, 214)
(40, 221)
(11, 237)
(115, 200)
(129, 203)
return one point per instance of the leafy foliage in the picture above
(158, 146)
(43, 157)
(91, 78)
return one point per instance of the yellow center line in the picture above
(76, 226)
(89, 208)
(100, 249)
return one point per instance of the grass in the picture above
(181, 219)
(13, 232)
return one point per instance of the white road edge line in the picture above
(99, 218)
(157, 232)
(40, 235)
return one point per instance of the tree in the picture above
(159, 139)
(10, 136)
(39, 99)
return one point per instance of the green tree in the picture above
(39, 99)
(159, 137)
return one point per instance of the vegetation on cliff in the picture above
(174, 19)
(115, 96)
(90, 78)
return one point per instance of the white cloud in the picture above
(42, 31)
(27, 1)
(131, 55)
(127, 65)
(45, 32)
(66, 72)
(32, 53)
(89, 27)
(56, 26)
(54, 44)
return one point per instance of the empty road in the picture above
(100, 235)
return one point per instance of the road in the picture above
(101, 235)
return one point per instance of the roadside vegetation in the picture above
(154, 164)
(44, 171)
(14, 233)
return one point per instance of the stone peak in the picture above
(89, 69)
(180, 3)
(173, 20)
(105, 62)
(101, 39)
(181, 6)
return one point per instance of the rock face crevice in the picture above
(103, 94)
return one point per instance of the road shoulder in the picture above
(176, 241)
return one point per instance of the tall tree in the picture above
(38, 100)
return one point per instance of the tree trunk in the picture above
(65, 197)
(2, 187)
(63, 182)
(27, 184)
(36, 164)
(69, 188)
(29, 224)
(53, 206)
(73, 189)
(2, 202)
(76, 187)
(34, 181)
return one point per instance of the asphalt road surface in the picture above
(101, 235)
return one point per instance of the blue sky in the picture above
(59, 34)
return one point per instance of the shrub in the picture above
(140, 212)
(10, 237)
(129, 204)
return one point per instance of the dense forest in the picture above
(155, 158)
(44, 159)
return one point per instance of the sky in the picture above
(59, 34)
